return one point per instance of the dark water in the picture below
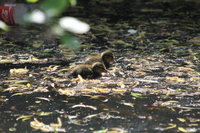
(150, 112)
(139, 115)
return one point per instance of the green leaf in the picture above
(70, 41)
(21, 81)
(45, 113)
(17, 94)
(72, 2)
(24, 117)
(182, 129)
(101, 131)
(136, 95)
(54, 7)
(182, 119)
(33, 1)
(171, 126)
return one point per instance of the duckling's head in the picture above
(108, 56)
(99, 67)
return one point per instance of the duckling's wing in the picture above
(84, 70)
(87, 72)
(76, 71)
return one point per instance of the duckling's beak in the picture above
(113, 61)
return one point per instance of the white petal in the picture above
(36, 16)
(74, 25)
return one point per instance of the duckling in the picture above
(88, 71)
(106, 57)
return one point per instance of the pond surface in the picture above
(153, 87)
(121, 113)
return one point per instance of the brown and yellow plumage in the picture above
(88, 71)
(106, 57)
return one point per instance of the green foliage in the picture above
(50, 11)
(70, 41)
(33, 1)
(72, 2)
(136, 95)
(53, 7)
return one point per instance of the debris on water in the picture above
(53, 127)
(132, 31)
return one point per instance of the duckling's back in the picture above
(93, 59)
